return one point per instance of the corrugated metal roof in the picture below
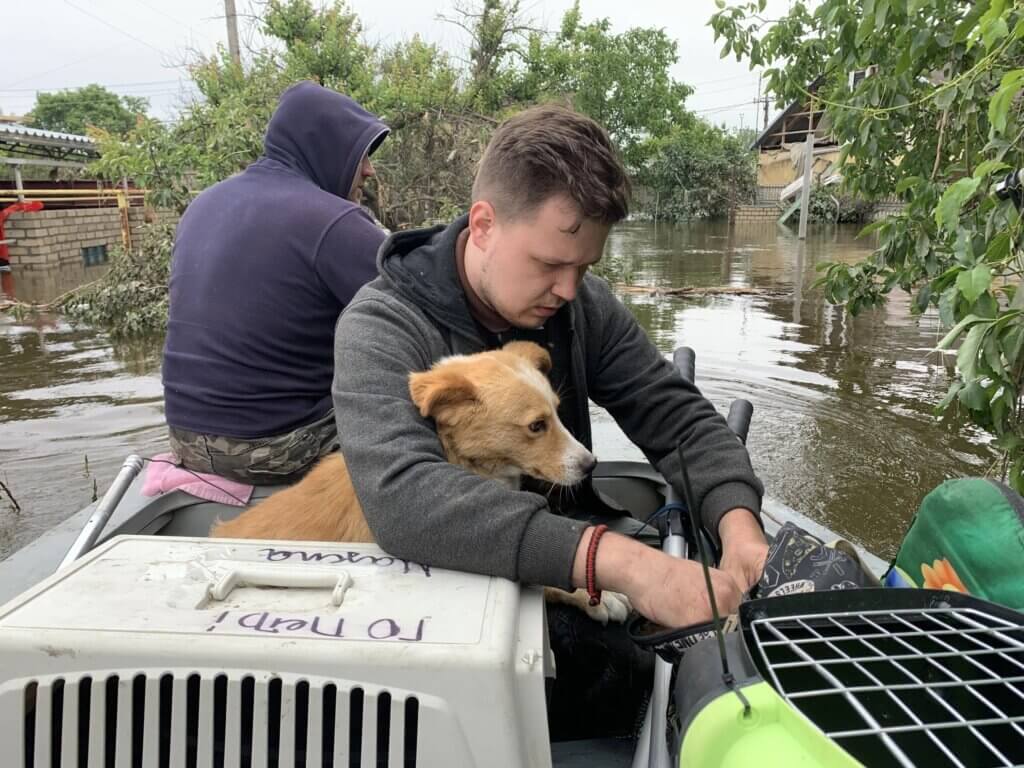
(13, 129)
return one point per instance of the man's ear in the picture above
(535, 354)
(439, 393)
(482, 219)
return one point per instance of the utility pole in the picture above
(759, 94)
(232, 17)
(805, 191)
(762, 99)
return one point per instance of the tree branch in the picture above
(14, 501)
(938, 145)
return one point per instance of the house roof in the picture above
(36, 142)
(769, 134)
(774, 125)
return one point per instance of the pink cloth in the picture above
(162, 476)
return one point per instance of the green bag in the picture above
(967, 536)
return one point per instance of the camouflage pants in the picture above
(277, 460)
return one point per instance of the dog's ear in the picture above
(438, 391)
(537, 356)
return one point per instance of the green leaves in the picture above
(699, 171)
(992, 25)
(621, 79)
(76, 111)
(131, 298)
(909, 182)
(967, 355)
(974, 282)
(939, 119)
(999, 105)
(954, 334)
(988, 167)
(947, 306)
(999, 248)
(947, 214)
(973, 396)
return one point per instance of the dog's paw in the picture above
(613, 607)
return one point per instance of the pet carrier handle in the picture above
(278, 576)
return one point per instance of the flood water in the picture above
(843, 427)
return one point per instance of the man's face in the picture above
(529, 267)
(364, 172)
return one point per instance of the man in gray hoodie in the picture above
(548, 190)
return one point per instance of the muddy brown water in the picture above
(843, 427)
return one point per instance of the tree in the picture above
(621, 80)
(441, 111)
(498, 34)
(441, 114)
(323, 44)
(937, 121)
(216, 136)
(75, 111)
(699, 171)
(425, 168)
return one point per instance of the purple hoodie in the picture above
(263, 264)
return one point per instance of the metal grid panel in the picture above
(936, 687)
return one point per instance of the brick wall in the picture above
(755, 213)
(885, 209)
(48, 240)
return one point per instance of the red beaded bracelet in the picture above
(592, 590)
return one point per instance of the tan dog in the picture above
(496, 415)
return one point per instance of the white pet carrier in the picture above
(192, 652)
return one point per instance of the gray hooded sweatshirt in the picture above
(422, 508)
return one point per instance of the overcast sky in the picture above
(137, 47)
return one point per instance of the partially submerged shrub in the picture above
(131, 298)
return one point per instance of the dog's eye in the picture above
(538, 426)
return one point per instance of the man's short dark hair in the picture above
(551, 150)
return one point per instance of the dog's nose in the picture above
(587, 463)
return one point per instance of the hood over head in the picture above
(323, 135)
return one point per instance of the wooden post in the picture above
(126, 227)
(798, 282)
(805, 192)
(232, 19)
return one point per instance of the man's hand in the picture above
(744, 548)
(667, 590)
(676, 594)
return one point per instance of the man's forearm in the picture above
(667, 590)
(618, 559)
(739, 522)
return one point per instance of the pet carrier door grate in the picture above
(935, 686)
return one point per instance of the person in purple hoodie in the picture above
(263, 264)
